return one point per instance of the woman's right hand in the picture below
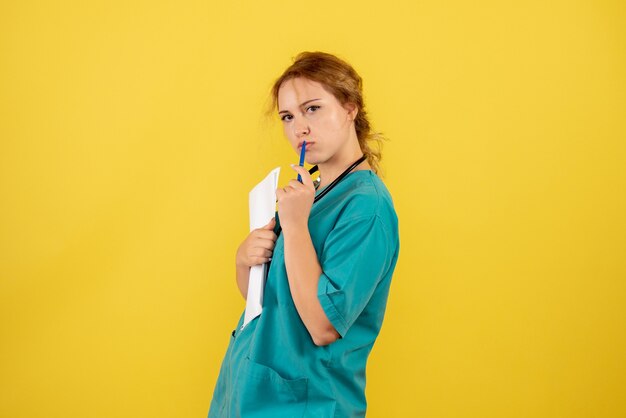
(258, 246)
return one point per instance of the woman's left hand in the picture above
(295, 201)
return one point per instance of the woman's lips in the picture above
(308, 145)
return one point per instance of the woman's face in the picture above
(309, 113)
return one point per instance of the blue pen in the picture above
(302, 151)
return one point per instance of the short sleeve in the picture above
(355, 258)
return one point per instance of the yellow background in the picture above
(132, 131)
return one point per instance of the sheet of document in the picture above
(262, 210)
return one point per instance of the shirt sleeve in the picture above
(355, 258)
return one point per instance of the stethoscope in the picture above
(323, 193)
(328, 188)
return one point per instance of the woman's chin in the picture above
(312, 160)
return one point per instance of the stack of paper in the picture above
(262, 210)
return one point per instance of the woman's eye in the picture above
(287, 118)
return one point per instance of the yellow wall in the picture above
(131, 132)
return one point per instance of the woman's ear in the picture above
(352, 109)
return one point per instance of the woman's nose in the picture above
(301, 129)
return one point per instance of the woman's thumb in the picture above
(271, 223)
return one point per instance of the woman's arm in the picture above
(301, 262)
(303, 272)
(243, 276)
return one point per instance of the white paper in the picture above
(262, 210)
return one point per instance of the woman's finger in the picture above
(295, 184)
(265, 234)
(260, 252)
(259, 260)
(304, 173)
(264, 243)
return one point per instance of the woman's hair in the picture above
(342, 81)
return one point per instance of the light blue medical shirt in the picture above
(272, 368)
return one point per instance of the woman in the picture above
(331, 262)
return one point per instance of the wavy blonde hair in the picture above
(342, 81)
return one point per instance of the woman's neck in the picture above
(330, 170)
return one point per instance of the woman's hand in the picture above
(258, 246)
(295, 201)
